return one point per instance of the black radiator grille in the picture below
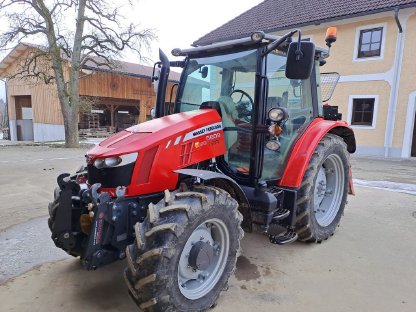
(111, 177)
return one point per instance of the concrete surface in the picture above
(26, 245)
(402, 170)
(369, 265)
(28, 177)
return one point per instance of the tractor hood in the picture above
(152, 133)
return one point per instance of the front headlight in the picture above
(112, 162)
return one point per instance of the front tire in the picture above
(53, 207)
(185, 251)
(323, 192)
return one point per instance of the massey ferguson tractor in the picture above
(247, 144)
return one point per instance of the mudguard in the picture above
(306, 145)
(228, 184)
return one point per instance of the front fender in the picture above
(306, 145)
(226, 183)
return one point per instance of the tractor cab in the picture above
(246, 103)
(266, 92)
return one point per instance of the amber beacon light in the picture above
(331, 36)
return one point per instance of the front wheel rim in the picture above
(195, 283)
(329, 190)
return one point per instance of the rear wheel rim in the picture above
(194, 283)
(329, 190)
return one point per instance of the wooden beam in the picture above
(143, 111)
(112, 110)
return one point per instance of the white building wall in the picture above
(12, 129)
(48, 132)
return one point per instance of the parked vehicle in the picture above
(248, 145)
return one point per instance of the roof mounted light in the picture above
(176, 52)
(257, 36)
(331, 36)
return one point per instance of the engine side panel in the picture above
(176, 152)
(170, 143)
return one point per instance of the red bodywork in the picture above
(304, 149)
(180, 140)
(171, 142)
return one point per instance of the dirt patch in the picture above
(246, 271)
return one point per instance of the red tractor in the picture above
(247, 144)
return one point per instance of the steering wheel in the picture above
(243, 108)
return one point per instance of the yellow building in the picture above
(374, 54)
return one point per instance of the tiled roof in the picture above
(274, 15)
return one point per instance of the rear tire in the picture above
(323, 192)
(157, 276)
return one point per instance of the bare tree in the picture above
(97, 35)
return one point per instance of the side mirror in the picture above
(300, 61)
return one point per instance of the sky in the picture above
(176, 23)
(181, 22)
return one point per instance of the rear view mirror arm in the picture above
(275, 44)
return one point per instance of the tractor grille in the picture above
(111, 177)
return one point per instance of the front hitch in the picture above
(93, 225)
(62, 233)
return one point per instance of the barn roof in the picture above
(130, 69)
(274, 15)
(124, 68)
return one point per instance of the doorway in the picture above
(24, 118)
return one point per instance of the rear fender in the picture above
(306, 145)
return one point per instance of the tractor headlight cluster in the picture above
(111, 162)
(273, 145)
(278, 114)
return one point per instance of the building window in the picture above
(363, 112)
(370, 42)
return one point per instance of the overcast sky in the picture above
(181, 22)
(178, 23)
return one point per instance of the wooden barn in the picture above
(112, 100)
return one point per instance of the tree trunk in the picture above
(70, 114)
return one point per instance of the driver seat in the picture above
(227, 107)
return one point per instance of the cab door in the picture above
(296, 97)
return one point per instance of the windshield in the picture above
(215, 78)
(228, 80)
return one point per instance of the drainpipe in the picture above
(391, 115)
(7, 109)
